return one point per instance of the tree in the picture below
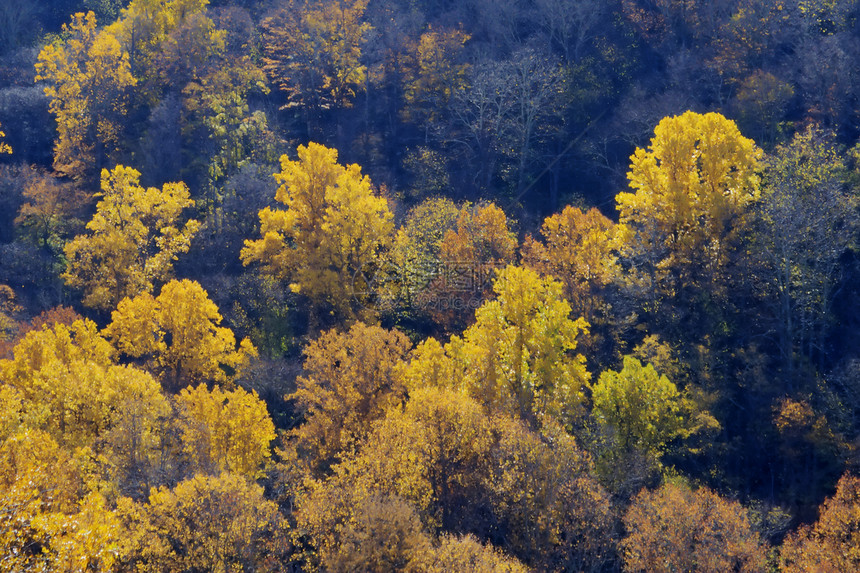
(133, 239)
(136, 437)
(434, 73)
(50, 213)
(569, 25)
(579, 249)
(90, 540)
(179, 336)
(692, 189)
(206, 523)
(383, 535)
(482, 113)
(62, 375)
(507, 108)
(88, 78)
(518, 356)
(641, 408)
(808, 222)
(551, 512)
(831, 544)
(37, 478)
(416, 252)
(470, 255)
(312, 51)
(8, 309)
(467, 472)
(215, 109)
(4, 147)
(329, 237)
(468, 555)
(62, 380)
(763, 100)
(350, 380)
(225, 431)
(677, 529)
(539, 89)
(143, 26)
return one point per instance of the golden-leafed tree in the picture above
(61, 374)
(470, 255)
(92, 539)
(519, 357)
(832, 544)
(543, 492)
(327, 242)
(464, 471)
(579, 249)
(350, 379)
(4, 147)
(133, 239)
(312, 51)
(435, 70)
(142, 27)
(225, 430)
(677, 529)
(691, 192)
(37, 477)
(87, 80)
(467, 555)
(62, 380)
(178, 336)
(8, 309)
(206, 523)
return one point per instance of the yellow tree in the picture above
(178, 335)
(350, 379)
(639, 407)
(8, 309)
(328, 241)
(470, 254)
(579, 249)
(92, 539)
(87, 79)
(519, 357)
(543, 493)
(676, 529)
(37, 477)
(463, 470)
(382, 534)
(4, 147)
(691, 190)
(133, 239)
(144, 24)
(312, 51)
(62, 381)
(206, 523)
(467, 555)
(832, 544)
(61, 375)
(435, 71)
(225, 430)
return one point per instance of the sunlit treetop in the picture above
(132, 240)
(690, 189)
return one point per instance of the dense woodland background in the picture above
(383, 285)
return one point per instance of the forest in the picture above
(429, 286)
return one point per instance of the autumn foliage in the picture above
(429, 286)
